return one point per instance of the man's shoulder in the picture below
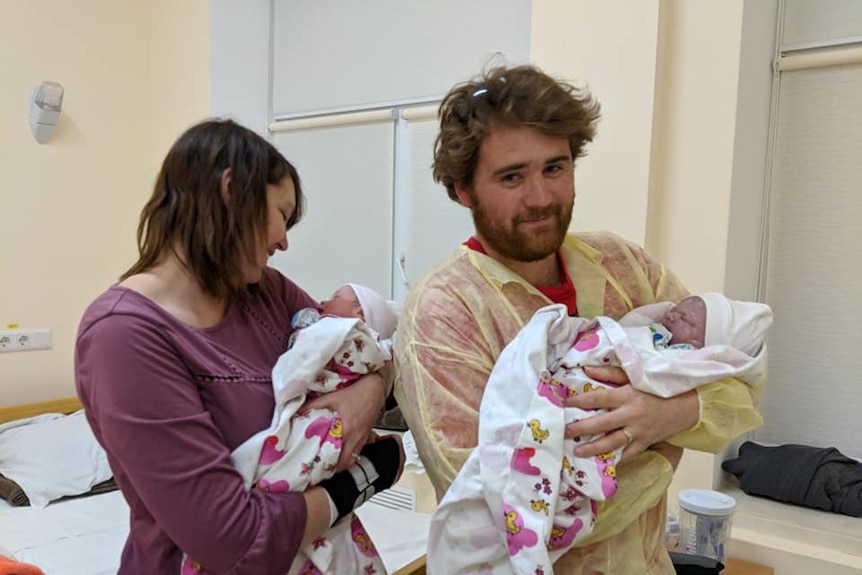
(596, 236)
(445, 287)
(603, 248)
(601, 241)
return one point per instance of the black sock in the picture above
(374, 471)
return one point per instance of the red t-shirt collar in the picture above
(564, 293)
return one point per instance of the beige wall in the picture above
(696, 95)
(179, 64)
(608, 47)
(667, 74)
(135, 74)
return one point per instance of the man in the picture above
(506, 150)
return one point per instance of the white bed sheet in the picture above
(85, 536)
(399, 535)
(82, 536)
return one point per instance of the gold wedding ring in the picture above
(628, 435)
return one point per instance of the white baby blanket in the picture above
(522, 499)
(300, 450)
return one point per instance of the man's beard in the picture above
(516, 244)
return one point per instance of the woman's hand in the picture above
(358, 405)
(634, 419)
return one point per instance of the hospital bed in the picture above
(84, 535)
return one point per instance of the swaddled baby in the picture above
(353, 300)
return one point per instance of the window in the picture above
(813, 272)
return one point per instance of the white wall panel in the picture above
(437, 224)
(346, 233)
(341, 52)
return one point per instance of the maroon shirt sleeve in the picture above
(171, 459)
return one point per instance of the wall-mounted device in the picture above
(46, 103)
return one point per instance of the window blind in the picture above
(814, 264)
(342, 52)
(808, 22)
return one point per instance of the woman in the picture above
(173, 364)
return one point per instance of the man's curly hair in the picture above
(517, 96)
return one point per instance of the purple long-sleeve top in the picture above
(169, 402)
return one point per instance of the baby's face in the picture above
(343, 303)
(687, 321)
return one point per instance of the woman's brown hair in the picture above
(213, 232)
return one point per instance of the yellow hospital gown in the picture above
(455, 324)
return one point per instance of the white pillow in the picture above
(52, 456)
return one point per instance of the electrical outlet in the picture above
(25, 339)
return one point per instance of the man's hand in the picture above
(634, 419)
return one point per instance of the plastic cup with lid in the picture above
(705, 521)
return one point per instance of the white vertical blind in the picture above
(814, 273)
(342, 52)
(821, 21)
